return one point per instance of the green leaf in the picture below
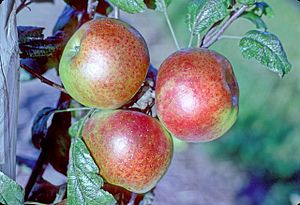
(10, 191)
(247, 2)
(162, 5)
(76, 128)
(130, 6)
(84, 183)
(267, 49)
(229, 3)
(202, 14)
(29, 33)
(254, 18)
(262, 8)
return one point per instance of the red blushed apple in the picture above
(104, 63)
(197, 95)
(131, 149)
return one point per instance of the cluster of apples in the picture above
(104, 65)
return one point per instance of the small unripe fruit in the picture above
(131, 149)
(197, 95)
(104, 63)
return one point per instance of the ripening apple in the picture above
(197, 95)
(104, 63)
(131, 149)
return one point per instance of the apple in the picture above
(104, 63)
(197, 95)
(131, 149)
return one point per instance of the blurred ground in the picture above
(194, 177)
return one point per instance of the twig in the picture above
(230, 37)
(23, 4)
(37, 172)
(209, 40)
(169, 23)
(212, 31)
(43, 79)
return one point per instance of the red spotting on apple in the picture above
(104, 63)
(132, 149)
(197, 95)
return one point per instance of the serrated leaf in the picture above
(130, 6)
(74, 129)
(204, 13)
(247, 2)
(229, 3)
(67, 21)
(262, 8)
(10, 191)
(161, 5)
(255, 19)
(29, 33)
(39, 127)
(267, 49)
(84, 183)
(42, 47)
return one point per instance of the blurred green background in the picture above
(265, 141)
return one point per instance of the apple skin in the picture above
(104, 63)
(131, 149)
(197, 95)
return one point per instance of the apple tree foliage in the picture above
(60, 140)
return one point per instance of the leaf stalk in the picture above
(211, 39)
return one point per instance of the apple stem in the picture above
(117, 12)
(43, 79)
(33, 203)
(211, 39)
(169, 23)
(73, 109)
(191, 39)
(90, 113)
(198, 40)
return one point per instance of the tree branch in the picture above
(43, 79)
(23, 4)
(210, 39)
